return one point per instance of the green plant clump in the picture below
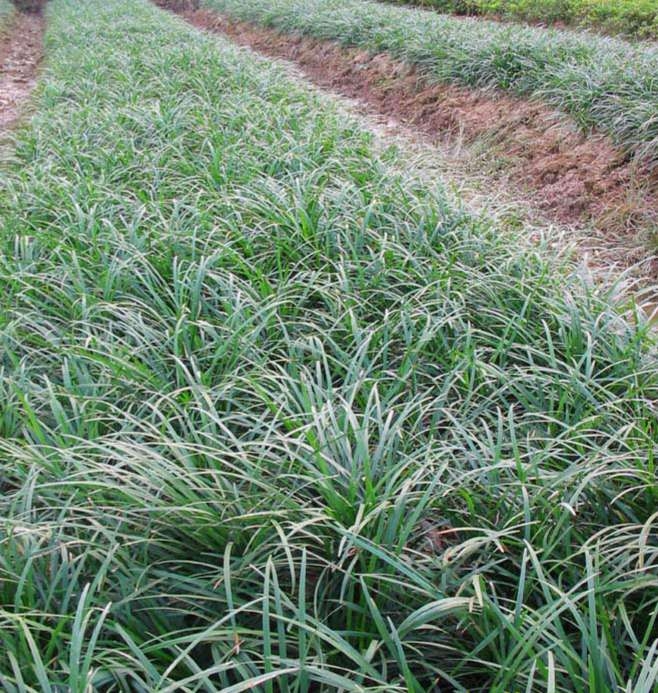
(276, 415)
(6, 13)
(601, 82)
(635, 18)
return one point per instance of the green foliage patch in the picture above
(6, 11)
(635, 18)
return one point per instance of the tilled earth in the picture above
(20, 54)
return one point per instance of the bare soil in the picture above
(571, 177)
(21, 51)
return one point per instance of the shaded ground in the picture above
(21, 50)
(571, 177)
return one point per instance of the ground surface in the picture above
(20, 55)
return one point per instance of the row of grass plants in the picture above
(634, 18)
(602, 83)
(278, 415)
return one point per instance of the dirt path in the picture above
(571, 178)
(21, 50)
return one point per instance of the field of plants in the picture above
(636, 18)
(603, 83)
(277, 414)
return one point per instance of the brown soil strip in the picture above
(20, 54)
(570, 177)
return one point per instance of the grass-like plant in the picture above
(277, 415)
(601, 82)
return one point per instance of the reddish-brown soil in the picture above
(20, 55)
(571, 177)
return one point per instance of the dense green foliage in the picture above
(637, 18)
(6, 11)
(277, 416)
(601, 82)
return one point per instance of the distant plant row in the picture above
(637, 18)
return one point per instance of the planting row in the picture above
(637, 18)
(603, 83)
(277, 415)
